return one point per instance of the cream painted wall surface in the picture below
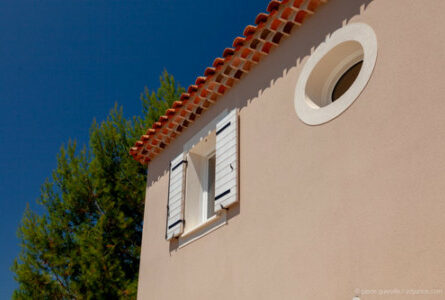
(325, 211)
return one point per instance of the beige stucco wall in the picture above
(356, 203)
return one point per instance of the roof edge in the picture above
(259, 40)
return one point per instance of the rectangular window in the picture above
(203, 180)
(200, 183)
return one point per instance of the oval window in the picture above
(335, 74)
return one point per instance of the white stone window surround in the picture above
(313, 113)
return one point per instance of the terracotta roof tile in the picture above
(170, 112)
(200, 80)
(218, 62)
(209, 71)
(300, 16)
(177, 104)
(247, 51)
(261, 18)
(249, 30)
(192, 88)
(238, 41)
(273, 5)
(185, 96)
(314, 4)
(297, 3)
(228, 52)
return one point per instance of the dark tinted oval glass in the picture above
(346, 80)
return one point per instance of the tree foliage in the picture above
(86, 244)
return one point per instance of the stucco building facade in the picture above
(337, 200)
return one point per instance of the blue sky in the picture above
(63, 63)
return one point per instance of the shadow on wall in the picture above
(290, 54)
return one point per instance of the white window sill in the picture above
(203, 229)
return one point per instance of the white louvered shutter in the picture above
(226, 173)
(176, 192)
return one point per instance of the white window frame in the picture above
(207, 224)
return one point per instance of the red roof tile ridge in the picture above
(258, 41)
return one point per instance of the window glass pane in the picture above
(346, 80)
(211, 188)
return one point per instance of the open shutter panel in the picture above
(176, 192)
(226, 173)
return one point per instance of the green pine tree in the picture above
(87, 243)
